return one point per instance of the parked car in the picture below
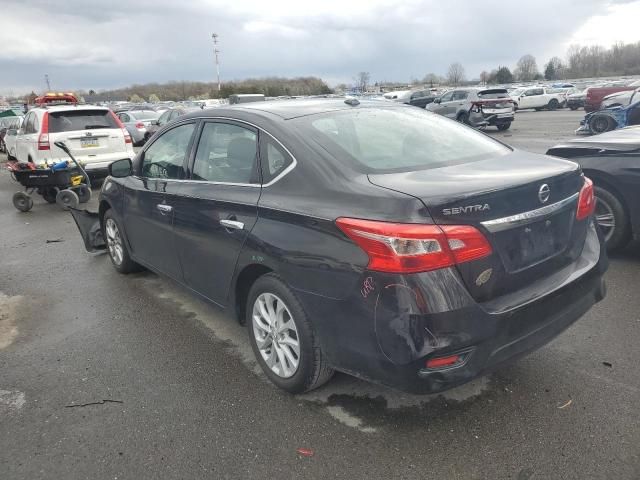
(576, 100)
(619, 99)
(93, 134)
(421, 98)
(478, 107)
(612, 161)
(400, 96)
(10, 140)
(136, 122)
(595, 95)
(365, 237)
(6, 124)
(612, 118)
(166, 117)
(538, 98)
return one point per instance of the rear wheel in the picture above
(612, 219)
(282, 337)
(553, 104)
(573, 107)
(67, 199)
(463, 117)
(116, 246)
(601, 123)
(22, 201)
(503, 126)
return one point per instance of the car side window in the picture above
(174, 114)
(28, 124)
(273, 158)
(447, 97)
(460, 95)
(124, 117)
(35, 124)
(164, 118)
(226, 153)
(165, 157)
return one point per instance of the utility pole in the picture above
(214, 36)
(46, 79)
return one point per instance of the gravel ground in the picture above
(104, 376)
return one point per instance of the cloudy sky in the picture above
(94, 45)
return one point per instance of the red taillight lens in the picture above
(139, 125)
(43, 138)
(127, 137)
(409, 247)
(586, 201)
(443, 362)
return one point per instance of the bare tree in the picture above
(527, 68)
(455, 74)
(484, 77)
(362, 81)
(432, 79)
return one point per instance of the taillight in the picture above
(127, 137)
(409, 247)
(43, 138)
(586, 200)
(139, 125)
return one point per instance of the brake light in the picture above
(443, 362)
(410, 248)
(127, 137)
(43, 138)
(586, 200)
(139, 125)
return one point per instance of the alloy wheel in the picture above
(114, 241)
(276, 335)
(605, 218)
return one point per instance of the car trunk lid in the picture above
(523, 203)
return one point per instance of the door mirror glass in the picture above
(121, 168)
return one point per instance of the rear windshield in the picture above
(80, 120)
(380, 140)
(495, 93)
(145, 115)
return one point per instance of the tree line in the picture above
(184, 90)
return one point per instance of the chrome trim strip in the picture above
(505, 223)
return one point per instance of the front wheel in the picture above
(601, 124)
(612, 219)
(282, 337)
(503, 126)
(116, 246)
(553, 104)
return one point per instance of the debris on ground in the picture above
(566, 404)
(55, 240)
(607, 364)
(99, 402)
(305, 452)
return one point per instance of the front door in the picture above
(218, 206)
(151, 196)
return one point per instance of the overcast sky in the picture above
(85, 44)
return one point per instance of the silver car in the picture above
(478, 107)
(136, 123)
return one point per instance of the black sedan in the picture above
(612, 161)
(375, 239)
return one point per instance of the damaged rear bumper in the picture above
(88, 224)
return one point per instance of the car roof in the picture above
(288, 109)
(58, 108)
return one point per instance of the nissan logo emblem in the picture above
(544, 193)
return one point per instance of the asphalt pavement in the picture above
(106, 376)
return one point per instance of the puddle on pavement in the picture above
(8, 312)
(358, 404)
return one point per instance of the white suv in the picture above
(93, 134)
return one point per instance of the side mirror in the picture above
(121, 168)
(437, 100)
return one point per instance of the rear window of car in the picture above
(71, 120)
(145, 115)
(381, 140)
(495, 93)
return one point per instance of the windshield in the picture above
(495, 93)
(393, 140)
(516, 92)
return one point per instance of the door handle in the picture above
(232, 224)
(164, 208)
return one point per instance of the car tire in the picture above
(601, 123)
(553, 104)
(22, 201)
(67, 199)
(278, 357)
(463, 117)
(116, 245)
(503, 126)
(573, 107)
(611, 212)
(515, 107)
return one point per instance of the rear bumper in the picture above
(387, 331)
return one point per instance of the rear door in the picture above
(218, 206)
(88, 133)
(151, 197)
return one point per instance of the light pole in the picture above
(214, 36)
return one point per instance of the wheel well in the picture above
(102, 209)
(600, 180)
(245, 281)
